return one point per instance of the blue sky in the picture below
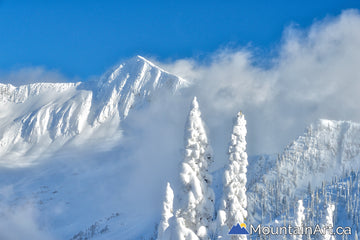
(84, 38)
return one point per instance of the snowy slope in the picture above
(340, 193)
(42, 117)
(327, 149)
(63, 170)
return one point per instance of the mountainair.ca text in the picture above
(303, 230)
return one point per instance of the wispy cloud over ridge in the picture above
(314, 74)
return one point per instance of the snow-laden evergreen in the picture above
(167, 211)
(234, 202)
(178, 231)
(329, 221)
(195, 198)
(299, 218)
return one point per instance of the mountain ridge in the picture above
(47, 112)
(327, 149)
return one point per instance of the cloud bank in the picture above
(315, 74)
(27, 75)
(21, 222)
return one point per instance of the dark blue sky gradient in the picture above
(84, 38)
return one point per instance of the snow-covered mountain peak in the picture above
(129, 85)
(141, 58)
(40, 114)
(138, 65)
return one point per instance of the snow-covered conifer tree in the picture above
(178, 231)
(328, 221)
(233, 204)
(299, 218)
(167, 211)
(196, 198)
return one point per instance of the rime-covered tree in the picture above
(328, 221)
(167, 211)
(178, 231)
(196, 198)
(299, 218)
(233, 203)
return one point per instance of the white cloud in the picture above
(17, 223)
(27, 75)
(314, 75)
